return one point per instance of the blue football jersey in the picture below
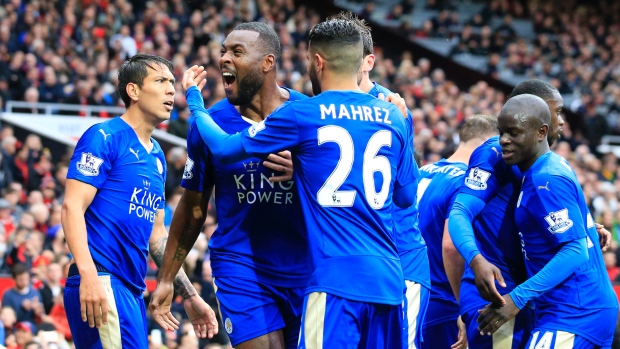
(258, 236)
(552, 210)
(491, 180)
(437, 188)
(409, 240)
(130, 182)
(349, 153)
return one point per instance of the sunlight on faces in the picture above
(240, 65)
(156, 96)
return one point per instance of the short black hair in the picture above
(134, 70)
(364, 29)
(535, 87)
(18, 269)
(270, 42)
(340, 43)
(478, 126)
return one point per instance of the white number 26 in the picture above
(329, 195)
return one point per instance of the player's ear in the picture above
(132, 91)
(269, 62)
(543, 131)
(368, 63)
(319, 62)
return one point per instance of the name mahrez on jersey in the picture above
(355, 112)
(250, 189)
(144, 204)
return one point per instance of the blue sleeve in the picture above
(404, 197)
(460, 225)
(198, 173)
(486, 173)
(93, 156)
(569, 258)
(226, 148)
(556, 210)
(279, 131)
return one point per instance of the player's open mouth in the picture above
(506, 154)
(229, 79)
(169, 105)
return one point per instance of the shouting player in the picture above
(437, 188)
(113, 215)
(351, 165)
(576, 306)
(258, 254)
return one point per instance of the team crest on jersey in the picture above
(189, 166)
(228, 326)
(256, 128)
(558, 221)
(89, 164)
(477, 179)
(160, 167)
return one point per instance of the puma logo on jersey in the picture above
(105, 136)
(546, 186)
(497, 153)
(135, 152)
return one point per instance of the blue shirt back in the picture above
(437, 188)
(491, 180)
(551, 211)
(409, 240)
(258, 236)
(130, 182)
(349, 153)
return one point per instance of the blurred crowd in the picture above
(576, 47)
(69, 51)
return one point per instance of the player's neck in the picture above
(140, 125)
(366, 85)
(525, 165)
(338, 82)
(268, 98)
(461, 154)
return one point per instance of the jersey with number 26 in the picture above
(349, 154)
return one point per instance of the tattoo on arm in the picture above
(186, 241)
(181, 282)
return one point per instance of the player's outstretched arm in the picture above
(566, 261)
(453, 262)
(93, 300)
(226, 148)
(200, 313)
(460, 225)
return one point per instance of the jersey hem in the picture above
(357, 298)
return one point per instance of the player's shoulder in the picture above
(110, 131)
(377, 89)
(223, 108)
(294, 95)
(489, 152)
(553, 169)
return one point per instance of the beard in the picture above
(247, 88)
(314, 79)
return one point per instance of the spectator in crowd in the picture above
(23, 298)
